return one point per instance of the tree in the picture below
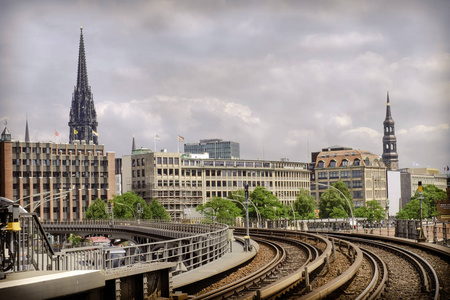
(332, 199)
(219, 208)
(372, 211)
(125, 206)
(431, 195)
(268, 204)
(305, 204)
(75, 240)
(97, 210)
(412, 210)
(157, 210)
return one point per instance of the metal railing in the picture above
(199, 245)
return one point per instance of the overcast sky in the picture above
(282, 78)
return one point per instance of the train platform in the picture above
(234, 258)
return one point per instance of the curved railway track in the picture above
(312, 266)
(286, 261)
(409, 275)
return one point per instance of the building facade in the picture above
(56, 181)
(83, 117)
(410, 178)
(363, 172)
(216, 148)
(181, 182)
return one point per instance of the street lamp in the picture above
(348, 202)
(421, 237)
(247, 237)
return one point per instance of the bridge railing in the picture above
(188, 252)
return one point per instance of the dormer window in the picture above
(357, 162)
(321, 164)
(333, 164)
(345, 163)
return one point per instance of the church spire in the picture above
(27, 133)
(83, 118)
(390, 156)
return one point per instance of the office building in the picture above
(180, 182)
(363, 172)
(56, 181)
(216, 148)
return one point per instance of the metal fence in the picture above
(200, 244)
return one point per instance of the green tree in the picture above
(268, 204)
(332, 199)
(219, 208)
(157, 210)
(338, 213)
(125, 206)
(431, 195)
(412, 210)
(305, 205)
(372, 211)
(75, 240)
(97, 210)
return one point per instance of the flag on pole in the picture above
(75, 131)
(94, 132)
(56, 133)
(180, 138)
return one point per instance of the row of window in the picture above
(57, 186)
(58, 162)
(58, 174)
(340, 174)
(344, 163)
(46, 150)
(168, 160)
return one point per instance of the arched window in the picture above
(357, 162)
(333, 164)
(345, 163)
(321, 164)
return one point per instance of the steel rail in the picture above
(380, 272)
(345, 277)
(249, 280)
(418, 262)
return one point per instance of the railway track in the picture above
(290, 257)
(312, 266)
(409, 275)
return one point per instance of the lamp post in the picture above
(348, 201)
(247, 237)
(421, 237)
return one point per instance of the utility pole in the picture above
(247, 237)
(421, 237)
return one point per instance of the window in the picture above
(356, 162)
(356, 173)
(333, 164)
(345, 174)
(357, 184)
(334, 174)
(322, 175)
(345, 163)
(357, 194)
(321, 164)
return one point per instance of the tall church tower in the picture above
(390, 156)
(83, 118)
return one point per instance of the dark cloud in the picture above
(280, 77)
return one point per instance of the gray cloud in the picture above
(280, 77)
